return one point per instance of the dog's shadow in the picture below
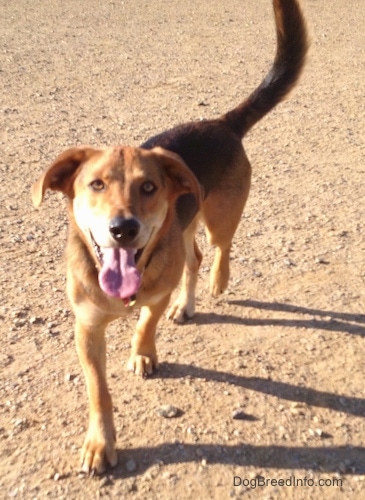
(320, 320)
(326, 459)
(348, 460)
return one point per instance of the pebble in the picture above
(316, 432)
(35, 320)
(18, 422)
(69, 377)
(18, 323)
(241, 415)
(168, 411)
(321, 260)
(289, 262)
(106, 481)
(131, 465)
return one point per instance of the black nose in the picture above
(124, 230)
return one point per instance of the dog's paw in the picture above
(181, 311)
(216, 289)
(218, 283)
(98, 451)
(142, 365)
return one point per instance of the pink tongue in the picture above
(119, 276)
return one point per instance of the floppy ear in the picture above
(58, 176)
(182, 178)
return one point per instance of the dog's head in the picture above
(123, 199)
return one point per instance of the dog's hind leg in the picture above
(222, 212)
(184, 306)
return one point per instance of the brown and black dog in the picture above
(133, 217)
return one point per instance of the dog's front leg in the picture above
(99, 445)
(143, 359)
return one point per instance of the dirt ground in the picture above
(283, 348)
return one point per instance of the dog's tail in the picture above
(289, 61)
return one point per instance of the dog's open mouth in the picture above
(119, 276)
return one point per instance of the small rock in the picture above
(168, 475)
(321, 260)
(35, 320)
(297, 404)
(289, 262)
(21, 313)
(319, 433)
(168, 411)
(106, 481)
(131, 465)
(241, 415)
(297, 411)
(282, 432)
(21, 423)
(18, 323)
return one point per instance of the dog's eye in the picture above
(97, 185)
(148, 187)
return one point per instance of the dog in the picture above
(133, 217)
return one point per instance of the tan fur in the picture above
(161, 263)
